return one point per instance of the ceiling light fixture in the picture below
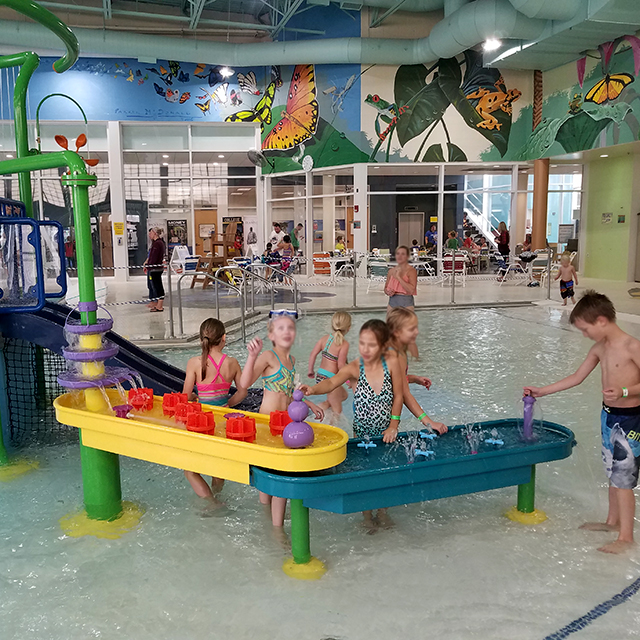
(165, 155)
(604, 155)
(220, 156)
(165, 164)
(9, 155)
(491, 44)
(215, 164)
(226, 72)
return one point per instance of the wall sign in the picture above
(607, 218)
(118, 228)
(622, 219)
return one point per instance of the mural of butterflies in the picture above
(235, 98)
(276, 75)
(204, 107)
(199, 69)
(214, 76)
(219, 93)
(184, 97)
(183, 77)
(248, 83)
(165, 76)
(130, 78)
(260, 113)
(300, 116)
(609, 88)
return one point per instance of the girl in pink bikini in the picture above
(212, 373)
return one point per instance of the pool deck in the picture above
(134, 322)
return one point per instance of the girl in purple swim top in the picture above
(212, 374)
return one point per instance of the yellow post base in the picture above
(76, 525)
(312, 570)
(17, 468)
(535, 517)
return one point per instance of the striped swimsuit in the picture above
(371, 410)
(217, 391)
(283, 380)
(323, 374)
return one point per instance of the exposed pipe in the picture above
(465, 28)
(549, 9)
(451, 6)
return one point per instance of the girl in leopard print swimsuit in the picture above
(377, 397)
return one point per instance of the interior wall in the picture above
(609, 191)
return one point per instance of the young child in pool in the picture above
(212, 374)
(568, 277)
(377, 395)
(335, 351)
(276, 366)
(403, 329)
(619, 357)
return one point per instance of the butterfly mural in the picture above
(214, 76)
(276, 75)
(609, 88)
(205, 106)
(248, 83)
(235, 98)
(260, 113)
(171, 95)
(300, 117)
(165, 76)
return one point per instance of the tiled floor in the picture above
(135, 322)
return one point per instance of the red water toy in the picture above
(241, 428)
(170, 400)
(278, 420)
(141, 399)
(201, 423)
(183, 409)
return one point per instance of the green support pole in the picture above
(303, 565)
(525, 511)
(4, 456)
(527, 494)
(101, 483)
(300, 543)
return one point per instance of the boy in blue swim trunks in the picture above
(619, 357)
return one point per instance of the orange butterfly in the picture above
(300, 117)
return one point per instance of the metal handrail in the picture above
(248, 272)
(295, 285)
(216, 282)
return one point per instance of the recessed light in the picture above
(220, 156)
(9, 155)
(215, 164)
(554, 166)
(604, 155)
(496, 166)
(165, 155)
(165, 164)
(144, 144)
(491, 44)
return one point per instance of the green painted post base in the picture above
(4, 456)
(101, 483)
(525, 512)
(303, 565)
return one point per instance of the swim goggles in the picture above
(283, 313)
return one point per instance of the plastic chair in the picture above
(378, 270)
(460, 268)
(321, 268)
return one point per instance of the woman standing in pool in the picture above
(377, 396)
(335, 351)
(401, 286)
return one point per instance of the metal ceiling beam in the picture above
(106, 9)
(376, 20)
(196, 11)
(60, 6)
(290, 10)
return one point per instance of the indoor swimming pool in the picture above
(451, 569)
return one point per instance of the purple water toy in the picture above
(122, 410)
(237, 414)
(298, 434)
(527, 423)
(111, 376)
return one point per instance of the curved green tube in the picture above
(54, 24)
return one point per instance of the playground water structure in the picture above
(106, 565)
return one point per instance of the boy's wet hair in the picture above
(591, 306)
(379, 329)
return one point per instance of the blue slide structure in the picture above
(45, 328)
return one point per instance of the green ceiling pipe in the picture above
(468, 26)
(54, 95)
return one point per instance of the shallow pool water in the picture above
(451, 569)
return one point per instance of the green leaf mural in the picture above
(450, 81)
(435, 154)
(418, 104)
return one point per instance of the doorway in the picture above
(410, 227)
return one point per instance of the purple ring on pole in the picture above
(527, 422)
(111, 377)
(92, 305)
(109, 350)
(101, 326)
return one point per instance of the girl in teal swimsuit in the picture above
(334, 350)
(276, 367)
(377, 396)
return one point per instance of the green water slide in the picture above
(78, 179)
